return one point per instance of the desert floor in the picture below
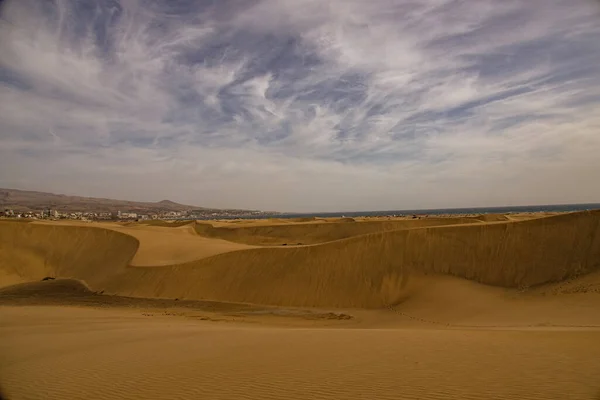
(476, 307)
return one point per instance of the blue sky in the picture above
(303, 105)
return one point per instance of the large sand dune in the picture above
(376, 270)
(371, 270)
(462, 309)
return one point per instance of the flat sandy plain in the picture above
(474, 307)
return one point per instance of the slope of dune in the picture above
(303, 219)
(161, 245)
(313, 233)
(442, 300)
(32, 251)
(164, 244)
(372, 270)
(375, 270)
(163, 223)
(491, 218)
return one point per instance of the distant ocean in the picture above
(439, 211)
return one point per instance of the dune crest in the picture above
(313, 232)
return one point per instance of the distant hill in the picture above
(25, 200)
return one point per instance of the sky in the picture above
(303, 105)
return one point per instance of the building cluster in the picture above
(53, 214)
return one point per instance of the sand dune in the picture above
(166, 243)
(162, 223)
(453, 302)
(413, 309)
(163, 245)
(264, 234)
(375, 270)
(303, 219)
(31, 252)
(491, 217)
(433, 302)
(372, 270)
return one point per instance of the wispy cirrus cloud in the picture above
(303, 105)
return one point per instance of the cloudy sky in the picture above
(303, 105)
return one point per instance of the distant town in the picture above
(25, 204)
(53, 214)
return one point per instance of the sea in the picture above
(437, 211)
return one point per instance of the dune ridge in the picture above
(368, 271)
(314, 232)
(165, 224)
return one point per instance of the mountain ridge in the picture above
(28, 200)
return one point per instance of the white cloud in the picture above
(303, 105)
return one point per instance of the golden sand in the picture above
(370, 270)
(502, 307)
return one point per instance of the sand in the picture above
(311, 231)
(59, 353)
(162, 243)
(502, 307)
(371, 270)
